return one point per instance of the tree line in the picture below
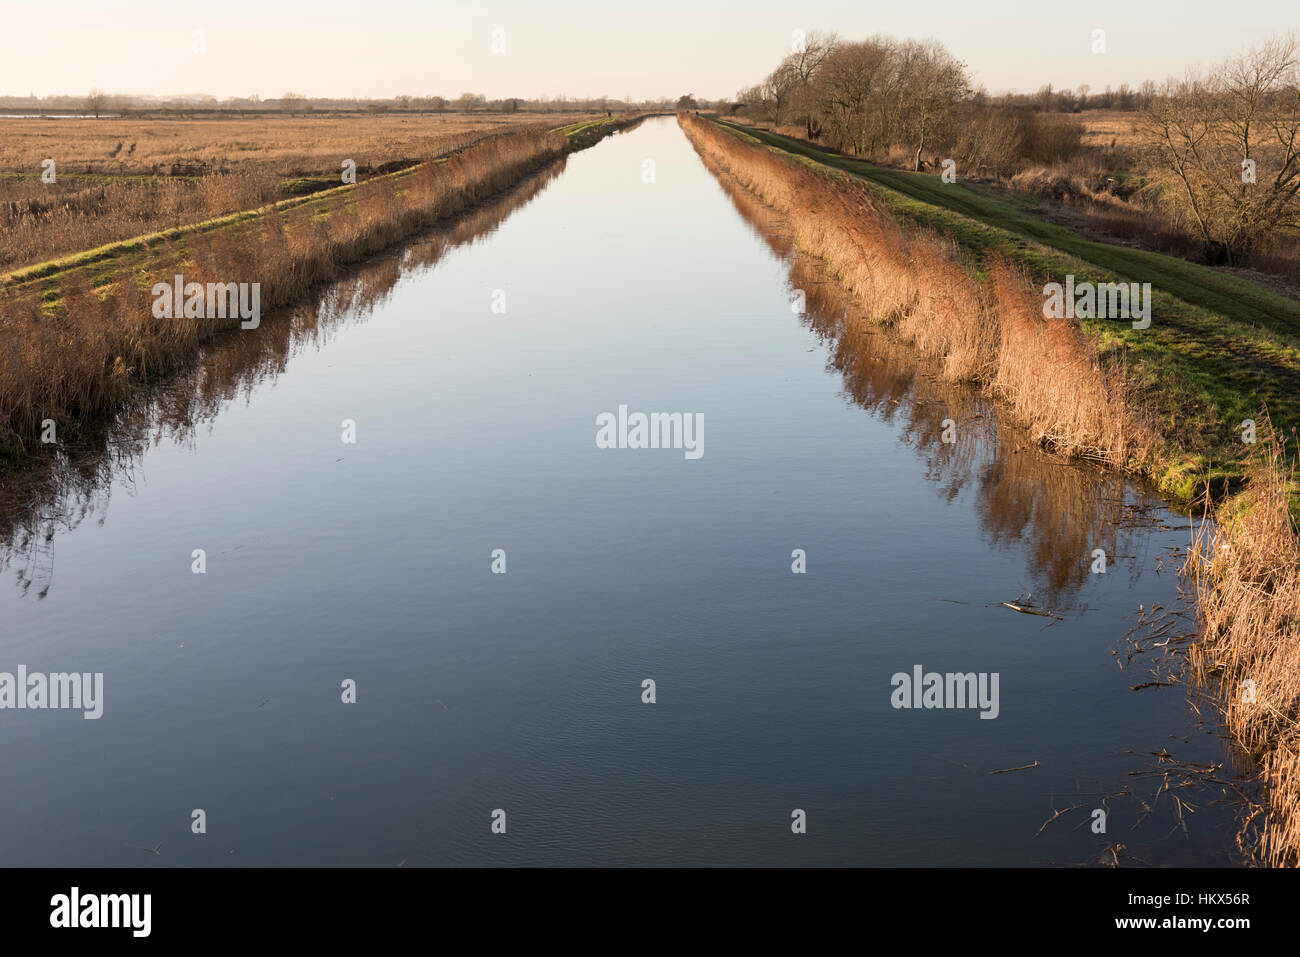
(97, 103)
(1217, 150)
(881, 95)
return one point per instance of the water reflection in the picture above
(1057, 512)
(50, 495)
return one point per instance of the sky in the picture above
(383, 48)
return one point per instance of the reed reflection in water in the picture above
(1056, 511)
(59, 489)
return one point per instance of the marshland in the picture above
(396, 478)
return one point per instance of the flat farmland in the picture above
(114, 178)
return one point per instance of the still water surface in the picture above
(523, 691)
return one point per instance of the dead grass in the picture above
(987, 329)
(285, 146)
(1246, 571)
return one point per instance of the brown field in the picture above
(119, 178)
(284, 146)
(1105, 129)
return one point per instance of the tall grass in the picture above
(1246, 570)
(39, 222)
(983, 321)
(78, 359)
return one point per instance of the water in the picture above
(522, 691)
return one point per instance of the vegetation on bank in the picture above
(79, 335)
(1207, 166)
(1218, 348)
(1246, 570)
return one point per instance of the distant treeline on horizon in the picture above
(96, 101)
(1045, 98)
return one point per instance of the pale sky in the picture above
(382, 48)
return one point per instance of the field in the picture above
(117, 178)
(1109, 129)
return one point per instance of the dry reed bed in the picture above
(81, 360)
(39, 222)
(1246, 570)
(986, 327)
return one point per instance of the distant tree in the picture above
(293, 103)
(467, 101)
(933, 86)
(687, 102)
(1225, 146)
(854, 98)
(776, 91)
(96, 100)
(802, 66)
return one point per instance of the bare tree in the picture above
(854, 95)
(293, 103)
(933, 85)
(990, 139)
(803, 65)
(96, 100)
(776, 91)
(1225, 147)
